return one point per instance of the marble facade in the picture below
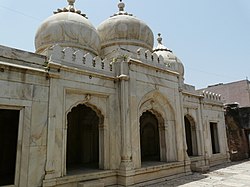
(119, 87)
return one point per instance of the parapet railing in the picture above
(77, 58)
(152, 58)
(211, 96)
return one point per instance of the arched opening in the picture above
(149, 137)
(191, 137)
(82, 139)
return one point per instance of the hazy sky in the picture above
(211, 37)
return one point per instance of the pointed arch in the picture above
(158, 105)
(84, 134)
(88, 104)
(149, 137)
(155, 100)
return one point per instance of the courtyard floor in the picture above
(234, 174)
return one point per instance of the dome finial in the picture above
(121, 6)
(121, 11)
(160, 46)
(71, 2)
(70, 8)
(159, 39)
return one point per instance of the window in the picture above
(214, 138)
(149, 137)
(9, 122)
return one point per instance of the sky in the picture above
(210, 37)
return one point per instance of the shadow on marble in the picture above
(87, 168)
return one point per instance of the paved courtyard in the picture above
(235, 174)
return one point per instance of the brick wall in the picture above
(236, 134)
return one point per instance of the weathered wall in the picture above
(245, 117)
(237, 139)
(26, 89)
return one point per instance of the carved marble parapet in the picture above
(78, 58)
(211, 96)
(152, 58)
(146, 55)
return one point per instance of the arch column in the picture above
(126, 147)
(180, 130)
(171, 141)
(163, 137)
(101, 128)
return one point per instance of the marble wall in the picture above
(119, 92)
(26, 88)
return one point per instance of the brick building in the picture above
(238, 91)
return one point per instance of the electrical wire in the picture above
(20, 13)
(192, 69)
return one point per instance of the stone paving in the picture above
(234, 174)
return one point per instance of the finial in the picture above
(71, 2)
(159, 39)
(121, 6)
(70, 8)
(160, 46)
(121, 11)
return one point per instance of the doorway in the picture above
(9, 123)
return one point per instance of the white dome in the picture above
(68, 28)
(169, 58)
(125, 29)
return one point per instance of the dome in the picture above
(169, 58)
(125, 29)
(68, 28)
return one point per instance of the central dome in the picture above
(125, 29)
(68, 28)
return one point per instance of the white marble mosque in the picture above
(102, 107)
